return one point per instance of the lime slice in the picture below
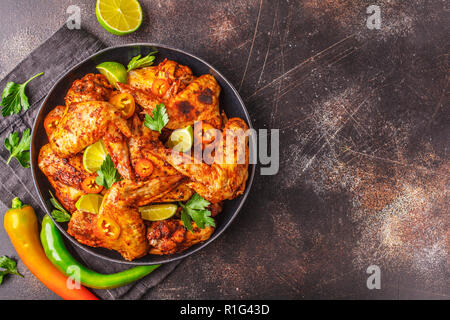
(181, 139)
(119, 17)
(93, 156)
(113, 71)
(156, 212)
(89, 203)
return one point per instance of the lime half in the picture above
(181, 139)
(119, 17)
(113, 71)
(90, 203)
(93, 156)
(157, 212)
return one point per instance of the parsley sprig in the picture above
(107, 174)
(159, 120)
(138, 62)
(59, 213)
(10, 267)
(19, 148)
(195, 209)
(14, 97)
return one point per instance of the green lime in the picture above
(113, 71)
(119, 17)
(89, 203)
(181, 139)
(156, 212)
(93, 156)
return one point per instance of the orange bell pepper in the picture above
(21, 225)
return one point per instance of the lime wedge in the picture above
(119, 17)
(93, 156)
(158, 212)
(113, 71)
(181, 139)
(89, 203)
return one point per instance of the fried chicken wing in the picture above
(52, 119)
(157, 84)
(66, 195)
(118, 225)
(146, 99)
(222, 180)
(87, 122)
(81, 227)
(117, 146)
(65, 176)
(174, 74)
(92, 87)
(83, 124)
(199, 101)
(170, 236)
(141, 140)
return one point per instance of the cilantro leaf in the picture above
(138, 62)
(195, 209)
(159, 120)
(107, 174)
(202, 218)
(60, 214)
(10, 265)
(187, 221)
(197, 202)
(14, 97)
(19, 148)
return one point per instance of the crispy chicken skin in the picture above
(81, 126)
(92, 87)
(141, 83)
(56, 114)
(219, 181)
(65, 175)
(81, 227)
(176, 75)
(170, 236)
(66, 195)
(116, 144)
(87, 122)
(144, 98)
(118, 225)
(199, 101)
(215, 208)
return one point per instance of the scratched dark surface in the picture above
(364, 130)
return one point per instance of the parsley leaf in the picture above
(138, 62)
(10, 265)
(195, 209)
(60, 214)
(107, 174)
(19, 148)
(159, 120)
(14, 97)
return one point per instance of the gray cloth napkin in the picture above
(55, 56)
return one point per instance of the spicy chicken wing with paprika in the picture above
(122, 159)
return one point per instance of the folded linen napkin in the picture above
(55, 56)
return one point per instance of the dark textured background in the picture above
(364, 129)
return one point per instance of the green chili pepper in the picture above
(57, 253)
